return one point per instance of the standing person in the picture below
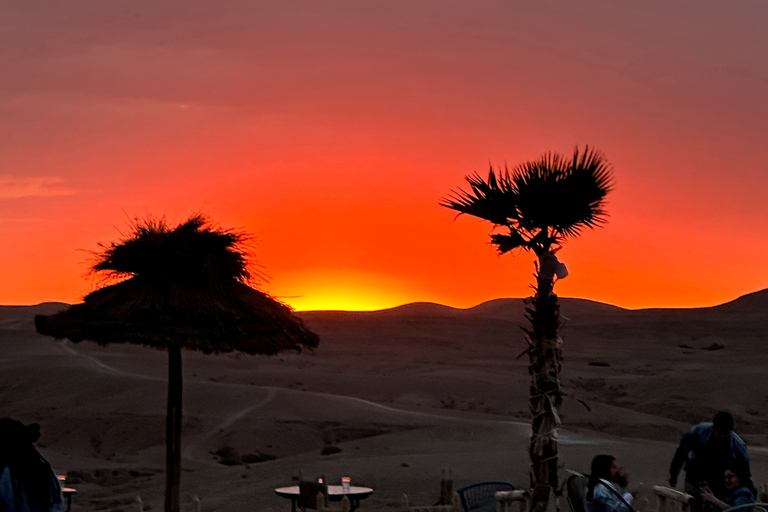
(739, 487)
(27, 482)
(706, 451)
(606, 491)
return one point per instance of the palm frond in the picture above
(493, 199)
(566, 195)
(544, 201)
(506, 243)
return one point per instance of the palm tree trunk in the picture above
(545, 395)
(173, 430)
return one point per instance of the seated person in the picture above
(606, 491)
(27, 482)
(738, 487)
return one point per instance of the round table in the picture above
(335, 493)
(67, 493)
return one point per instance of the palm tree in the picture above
(538, 207)
(183, 287)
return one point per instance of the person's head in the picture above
(723, 425)
(605, 467)
(31, 474)
(732, 480)
(736, 476)
(16, 439)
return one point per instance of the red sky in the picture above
(331, 129)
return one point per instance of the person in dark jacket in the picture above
(27, 482)
(706, 451)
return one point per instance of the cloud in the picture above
(13, 187)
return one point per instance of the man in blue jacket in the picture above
(706, 451)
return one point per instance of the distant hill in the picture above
(501, 309)
(22, 317)
(670, 365)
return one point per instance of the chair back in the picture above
(308, 492)
(576, 487)
(479, 497)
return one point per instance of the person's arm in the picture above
(741, 453)
(7, 495)
(681, 454)
(707, 496)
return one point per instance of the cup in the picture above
(345, 483)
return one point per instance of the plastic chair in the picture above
(479, 497)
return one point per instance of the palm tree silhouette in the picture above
(538, 207)
(183, 287)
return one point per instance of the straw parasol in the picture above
(181, 287)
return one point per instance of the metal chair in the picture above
(479, 497)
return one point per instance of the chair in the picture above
(308, 493)
(509, 501)
(576, 489)
(480, 496)
(671, 499)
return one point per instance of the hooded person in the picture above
(27, 482)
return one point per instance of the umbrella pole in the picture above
(173, 430)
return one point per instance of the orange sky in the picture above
(331, 129)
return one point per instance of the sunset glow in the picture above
(330, 130)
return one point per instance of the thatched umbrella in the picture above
(182, 287)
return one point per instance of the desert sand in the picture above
(398, 395)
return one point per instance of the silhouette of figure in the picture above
(27, 482)
(706, 451)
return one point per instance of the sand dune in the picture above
(402, 393)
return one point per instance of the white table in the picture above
(335, 493)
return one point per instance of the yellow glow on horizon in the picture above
(343, 290)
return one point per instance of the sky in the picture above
(330, 130)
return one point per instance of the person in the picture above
(706, 451)
(739, 487)
(606, 491)
(27, 482)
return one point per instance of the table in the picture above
(68, 492)
(335, 493)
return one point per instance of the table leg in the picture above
(69, 503)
